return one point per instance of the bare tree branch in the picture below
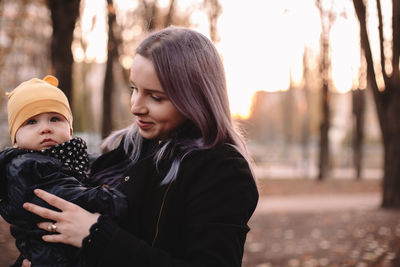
(381, 43)
(112, 55)
(396, 40)
(170, 14)
(151, 11)
(361, 14)
(214, 10)
(63, 16)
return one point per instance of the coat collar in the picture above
(72, 154)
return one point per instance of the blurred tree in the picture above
(305, 111)
(24, 49)
(63, 16)
(154, 17)
(358, 96)
(112, 56)
(213, 10)
(170, 14)
(327, 17)
(14, 33)
(288, 110)
(150, 14)
(359, 106)
(387, 98)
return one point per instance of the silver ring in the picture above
(52, 227)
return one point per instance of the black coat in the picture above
(21, 172)
(200, 219)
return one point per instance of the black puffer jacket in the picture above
(60, 171)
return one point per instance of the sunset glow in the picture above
(261, 44)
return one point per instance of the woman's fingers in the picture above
(53, 200)
(48, 226)
(71, 225)
(42, 212)
(55, 238)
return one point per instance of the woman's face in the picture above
(156, 117)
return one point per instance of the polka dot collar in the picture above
(72, 154)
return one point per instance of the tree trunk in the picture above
(358, 135)
(287, 111)
(386, 99)
(327, 17)
(324, 135)
(305, 114)
(109, 77)
(63, 15)
(391, 140)
(391, 181)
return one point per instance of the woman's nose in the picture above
(138, 105)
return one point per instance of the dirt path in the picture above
(316, 203)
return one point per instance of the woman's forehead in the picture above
(144, 75)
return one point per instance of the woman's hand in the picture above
(72, 223)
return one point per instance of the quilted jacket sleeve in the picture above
(30, 171)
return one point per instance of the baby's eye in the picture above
(54, 119)
(30, 121)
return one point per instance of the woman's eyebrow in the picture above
(149, 90)
(154, 91)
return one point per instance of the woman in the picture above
(189, 186)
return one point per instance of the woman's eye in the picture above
(156, 98)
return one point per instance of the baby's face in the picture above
(43, 131)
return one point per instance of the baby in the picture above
(44, 155)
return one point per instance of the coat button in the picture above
(126, 179)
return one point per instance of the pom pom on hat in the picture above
(34, 97)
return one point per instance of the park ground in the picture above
(338, 222)
(305, 223)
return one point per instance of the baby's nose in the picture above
(45, 128)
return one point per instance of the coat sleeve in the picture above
(32, 171)
(220, 196)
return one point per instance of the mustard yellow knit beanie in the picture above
(34, 97)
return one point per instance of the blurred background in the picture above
(295, 74)
(314, 86)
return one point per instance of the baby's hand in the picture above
(26, 263)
